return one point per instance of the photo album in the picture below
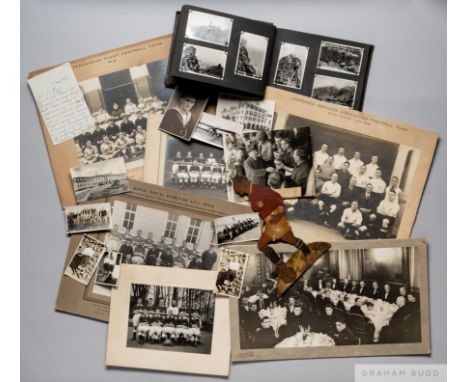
(236, 54)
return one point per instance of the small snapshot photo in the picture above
(109, 269)
(99, 180)
(335, 90)
(210, 129)
(237, 228)
(340, 58)
(170, 318)
(88, 218)
(203, 61)
(231, 272)
(251, 55)
(292, 61)
(254, 115)
(208, 27)
(85, 259)
(183, 113)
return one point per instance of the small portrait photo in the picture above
(208, 27)
(231, 272)
(170, 318)
(108, 269)
(210, 129)
(292, 61)
(99, 180)
(335, 90)
(183, 113)
(251, 55)
(88, 218)
(254, 115)
(340, 58)
(195, 166)
(85, 259)
(237, 228)
(203, 61)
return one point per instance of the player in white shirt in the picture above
(350, 221)
(320, 156)
(393, 186)
(355, 163)
(372, 166)
(130, 107)
(339, 158)
(362, 178)
(331, 191)
(386, 213)
(378, 184)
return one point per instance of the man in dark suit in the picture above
(127, 127)
(345, 286)
(297, 318)
(140, 120)
(343, 335)
(399, 327)
(362, 289)
(327, 324)
(387, 294)
(375, 292)
(253, 167)
(368, 202)
(209, 257)
(344, 176)
(353, 288)
(356, 308)
(334, 284)
(264, 336)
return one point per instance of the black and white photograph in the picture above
(279, 159)
(183, 114)
(254, 115)
(99, 180)
(349, 297)
(88, 218)
(231, 270)
(210, 129)
(340, 58)
(203, 61)
(292, 60)
(196, 167)
(208, 27)
(148, 236)
(335, 90)
(170, 319)
(251, 55)
(108, 270)
(361, 185)
(237, 228)
(85, 260)
(120, 103)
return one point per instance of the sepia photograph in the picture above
(203, 61)
(149, 236)
(335, 90)
(231, 270)
(340, 58)
(251, 55)
(210, 129)
(361, 298)
(108, 270)
(196, 167)
(208, 27)
(120, 103)
(88, 218)
(254, 115)
(99, 180)
(183, 114)
(170, 319)
(85, 259)
(292, 60)
(166, 319)
(279, 159)
(237, 228)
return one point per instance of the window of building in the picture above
(193, 231)
(129, 217)
(171, 226)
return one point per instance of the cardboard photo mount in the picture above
(76, 298)
(423, 348)
(63, 156)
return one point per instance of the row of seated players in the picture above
(198, 172)
(171, 326)
(318, 312)
(124, 137)
(231, 232)
(358, 210)
(165, 253)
